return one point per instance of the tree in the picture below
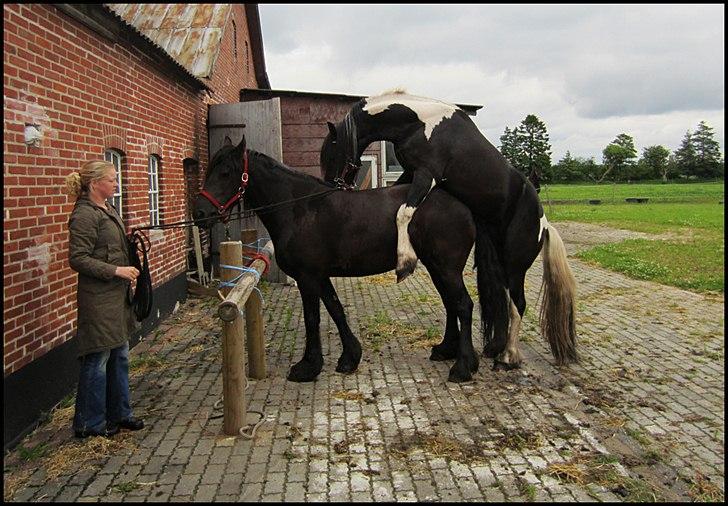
(619, 158)
(707, 152)
(509, 147)
(571, 168)
(654, 162)
(534, 139)
(527, 147)
(686, 159)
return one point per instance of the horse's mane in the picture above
(288, 170)
(399, 90)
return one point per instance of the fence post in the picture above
(254, 320)
(233, 346)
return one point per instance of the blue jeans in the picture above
(103, 389)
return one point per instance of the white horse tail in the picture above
(558, 309)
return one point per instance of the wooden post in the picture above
(233, 345)
(254, 319)
(256, 340)
(248, 236)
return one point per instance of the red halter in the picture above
(223, 208)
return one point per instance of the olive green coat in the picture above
(97, 245)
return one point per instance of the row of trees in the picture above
(528, 149)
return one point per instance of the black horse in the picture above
(319, 232)
(438, 144)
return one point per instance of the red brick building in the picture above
(127, 82)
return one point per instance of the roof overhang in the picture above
(256, 45)
(108, 24)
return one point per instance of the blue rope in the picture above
(234, 281)
(257, 243)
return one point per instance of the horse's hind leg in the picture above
(467, 360)
(511, 357)
(458, 302)
(448, 348)
(351, 353)
(422, 183)
(312, 362)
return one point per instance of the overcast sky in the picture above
(589, 72)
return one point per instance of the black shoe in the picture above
(132, 423)
(109, 431)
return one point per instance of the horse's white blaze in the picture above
(405, 251)
(511, 354)
(430, 112)
(544, 226)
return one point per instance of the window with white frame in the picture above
(153, 190)
(115, 158)
(391, 168)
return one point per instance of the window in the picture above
(115, 158)
(392, 169)
(235, 41)
(153, 190)
(367, 176)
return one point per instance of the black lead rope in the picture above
(143, 295)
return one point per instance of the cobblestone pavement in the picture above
(639, 418)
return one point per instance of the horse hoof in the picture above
(502, 366)
(405, 269)
(303, 373)
(458, 376)
(440, 353)
(346, 366)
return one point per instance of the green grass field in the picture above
(616, 193)
(688, 216)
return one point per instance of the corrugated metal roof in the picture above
(189, 33)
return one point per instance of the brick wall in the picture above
(89, 94)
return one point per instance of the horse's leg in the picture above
(459, 306)
(467, 360)
(448, 348)
(511, 357)
(351, 353)
(422, 183)
(310, 365)
(521, 247)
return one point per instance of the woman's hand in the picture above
(130, 272)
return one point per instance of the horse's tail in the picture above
(557, 318)
(494, 315)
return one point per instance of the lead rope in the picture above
(242, 431)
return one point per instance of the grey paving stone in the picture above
(407, 434)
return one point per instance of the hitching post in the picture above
(233, 345)
(254, 318)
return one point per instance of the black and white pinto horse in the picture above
(438, 144)
(319, 231)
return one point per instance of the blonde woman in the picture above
(98, 250)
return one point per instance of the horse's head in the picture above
(338, 154)
(222, 183)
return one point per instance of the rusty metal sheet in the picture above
(189, 33)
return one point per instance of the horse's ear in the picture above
(332, 129)
(227, 141)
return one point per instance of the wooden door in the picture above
(260, 121)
